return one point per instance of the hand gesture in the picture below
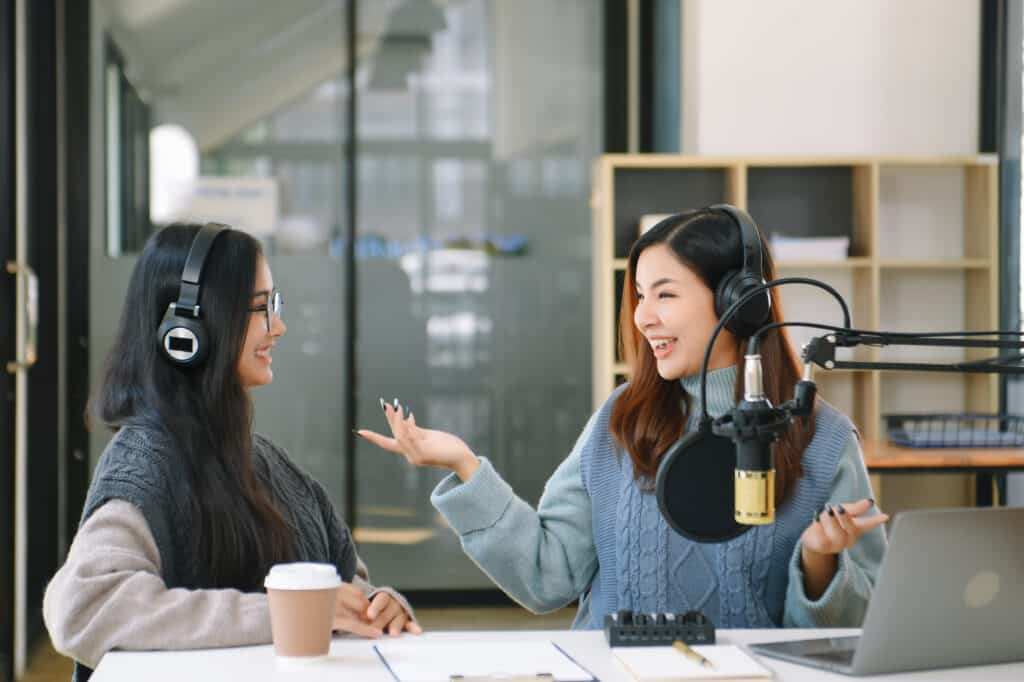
(423, 447)
(355, 613)
(350, 612)
(387, 612)
(839, 526)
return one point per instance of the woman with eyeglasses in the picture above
(188, 508)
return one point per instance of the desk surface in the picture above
(355, 660)
(881, 455)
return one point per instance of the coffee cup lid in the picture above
(302, 576)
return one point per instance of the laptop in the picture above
(950, 593)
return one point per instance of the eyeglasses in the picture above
(272, 308)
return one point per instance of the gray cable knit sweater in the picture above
(131, 580)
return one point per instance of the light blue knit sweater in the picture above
(596, 535)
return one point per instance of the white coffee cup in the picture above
(302, 597)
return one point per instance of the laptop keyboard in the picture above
(836, 656)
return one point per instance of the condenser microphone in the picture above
(753, 426)
(719, 480)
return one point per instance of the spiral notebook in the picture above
(665, 664)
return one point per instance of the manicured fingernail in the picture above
(831, 511)
(356, 431)
(825, 509)
(382, 405)
(396, 403)
(842, 509)
(815, 517)
(871, 501)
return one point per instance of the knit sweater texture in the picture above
(597, 536)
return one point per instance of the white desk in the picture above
(354, 660)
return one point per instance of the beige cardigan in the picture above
(110, 595)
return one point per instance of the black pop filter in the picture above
(695, 488)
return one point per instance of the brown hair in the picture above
(645, 419)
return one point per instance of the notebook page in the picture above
(412, 660)
(653, 663)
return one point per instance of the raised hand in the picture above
(423, 447)
(839, 526)
(833, 529)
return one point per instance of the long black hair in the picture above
(238, 533)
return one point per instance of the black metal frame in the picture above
(7, 346)
(351, 317)
(616, 76)
(1002, 38)
(42, 468)
(659, 76)
(646, 55)
(75, 27)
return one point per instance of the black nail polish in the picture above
(871, 501)
(831, 511)
(816, 517)
(842, 509)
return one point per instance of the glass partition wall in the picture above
(475, 124)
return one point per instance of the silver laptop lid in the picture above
(950, 592)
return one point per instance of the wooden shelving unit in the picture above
(923, 256)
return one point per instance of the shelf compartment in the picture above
(932, 213)
(804, 303)
(810, 201)
(642, 191)
(923, 301)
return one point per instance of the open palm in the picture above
(840, 526)
(422, 447)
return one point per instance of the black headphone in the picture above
(182, 336)
(737, 283)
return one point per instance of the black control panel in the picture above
(625, 628)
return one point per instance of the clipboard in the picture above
(539, 677)
(418, 660)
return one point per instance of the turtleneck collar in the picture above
(721, 387)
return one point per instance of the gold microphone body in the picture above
(755, 497)
(756, 425)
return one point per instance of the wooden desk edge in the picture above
(880, 455)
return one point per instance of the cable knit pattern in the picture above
(644, 546)
(140, 465)
(646, 567)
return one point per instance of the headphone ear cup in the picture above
(753, 314)
(183, 340)
(722, 293)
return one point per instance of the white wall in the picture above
(830, 77)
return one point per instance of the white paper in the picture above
(654, 663)
(649, 220)
(810, 248)
(412, 660)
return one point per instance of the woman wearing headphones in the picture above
(188, 508)
(597, 533)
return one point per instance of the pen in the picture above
(684, 648)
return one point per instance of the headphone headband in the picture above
(753, 251)
(195, 263)
(735, 284)
(182, 335)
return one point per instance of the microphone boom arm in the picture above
(821, 351)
